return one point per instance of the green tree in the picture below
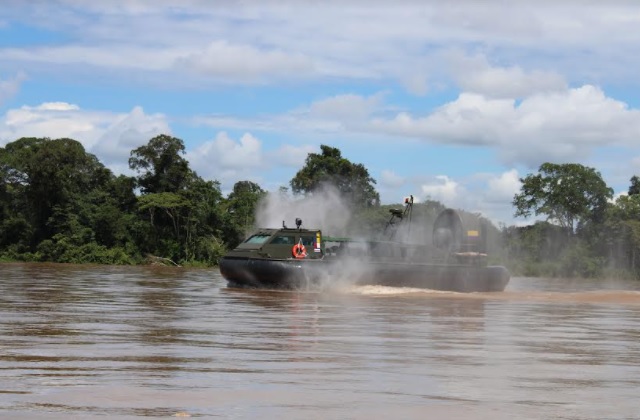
(634, 188)
(59, 204)
(160, 166)
(170, 204)
(183, 211)
(242, 204)
(50, 180)
(621, 243)
(535, 250)
(15, 229)
(206, 223)
(163, 174)
(352, 180)
(568, 194)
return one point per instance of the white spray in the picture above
(325, 210)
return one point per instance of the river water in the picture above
(132, 342)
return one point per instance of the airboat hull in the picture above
(318, 274)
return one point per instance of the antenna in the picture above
(400, 214)
(409, 209)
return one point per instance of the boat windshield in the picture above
(283, 240)
(259, 238)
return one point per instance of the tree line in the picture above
(586, 233)
(59, 203)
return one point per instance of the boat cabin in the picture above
(284, 243)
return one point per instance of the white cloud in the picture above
(228, 160)
(127, 132)
(55, 120)
(266, 41)
(105, 58)
(9, 87)
(224, 158)
(110, 136)
(334, 114)
(476, 75)
(566, 125)
(221, 59)
(55, 106)
(555, 126)
(502, 188)
(471, 119)
(488, 194)
(390, 179)
(416, 79)
(291, 156)
(443, 189)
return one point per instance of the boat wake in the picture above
(374, 290)
(625, 297)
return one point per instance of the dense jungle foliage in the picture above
(59, 203)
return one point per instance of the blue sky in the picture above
(453, 101)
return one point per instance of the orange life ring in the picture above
(299, 251)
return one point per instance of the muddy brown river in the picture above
(142, 342)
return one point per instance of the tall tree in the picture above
(241, 206)
(53, 178)
(162, 174)
(242, 203)
(205, 222)
(160, 166)
(329, 167)
(183, 210)
(634, 188)
(568, 194)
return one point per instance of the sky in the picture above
(449, 101)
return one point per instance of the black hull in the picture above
(310, 274)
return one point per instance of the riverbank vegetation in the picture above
(59, 203)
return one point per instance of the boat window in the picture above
(259, 238)
(308, 240)
(283, 240)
